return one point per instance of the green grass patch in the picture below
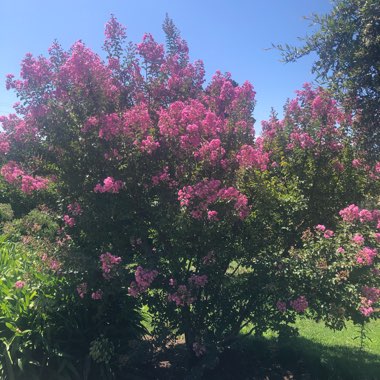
(317, 353)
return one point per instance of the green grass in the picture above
(318, 353)
(318, 333)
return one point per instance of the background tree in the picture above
(347, 44)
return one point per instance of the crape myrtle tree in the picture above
(166, 198)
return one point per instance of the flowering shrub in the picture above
(164, 182)
(345, 282)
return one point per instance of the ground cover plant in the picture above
(154, 192)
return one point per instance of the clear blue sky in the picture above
(227, 35)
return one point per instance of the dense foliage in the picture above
(162, 197)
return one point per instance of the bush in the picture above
(165, 196)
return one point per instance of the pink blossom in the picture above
(320, 227)
(110, 186)
(182, 296)
(328, 234)
(281, 306)
(144, 278)
(114, 30)
(198, 281)
(13, 174)
(372, 294)
(54, 265)
(75, 209)
(341, 250)
(69, 221)
(248, 156)
(4, 143)
(358, 239)
(350, 213)
(365, 216)
(82, 289)
(377, 237)
(109, 262)
(148, 145)
(211, 151)
(150, 50)
(20, 284)
(356, 163)
(303, 139)
(97, 295)
(366, 311)
(300, 304)
(366, 256)
(212, 215)
(338, 166)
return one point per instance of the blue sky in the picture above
(227, 35)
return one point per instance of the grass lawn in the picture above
(318, 353)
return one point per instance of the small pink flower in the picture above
(69, 221)
(320, 228)
(341, 250)
(20, 284)
(366, 311)
(328, 234)
(212, 215)
(358, 239)
(82, 289)
(300, 304)
(97, 295)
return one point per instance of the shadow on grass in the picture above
(298, 358)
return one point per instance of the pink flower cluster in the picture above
(198, 281)
(370, 297)
(189, 123)
(143, 280)
(149, 145)
(82, 289)
(14, 175)
(201, 195)
(366, 256)
(358, 239)
(301, 139)
(19, 284)
(97, 295)
(75, 209)
(109, 262)
(150, 50)
(183, 296)
(353, 213)
(4, 143)
(300, 304)
(163, 176)
(109, 186)
(326, 233)
(212, 152)
(69, 221)
(281, 306)
(248, 156)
